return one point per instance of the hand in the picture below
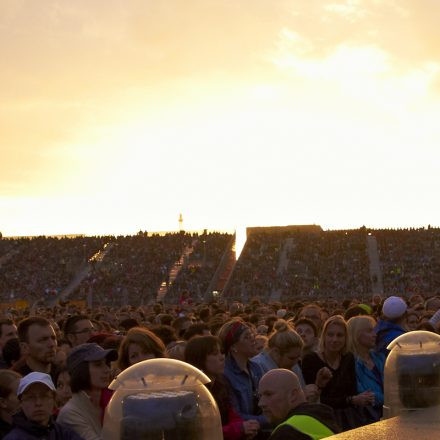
(323, 377)
(311, 392)
(363, 399)
(250, 428)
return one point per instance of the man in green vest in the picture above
(283, 403)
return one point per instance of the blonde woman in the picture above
(340, 392)
(368, 363)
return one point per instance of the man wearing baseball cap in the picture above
(36, 393)
(392, 322)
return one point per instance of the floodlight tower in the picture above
(180, 222)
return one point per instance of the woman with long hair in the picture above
(369, 364)
(204, 353)
(139, 344)
(340, 392)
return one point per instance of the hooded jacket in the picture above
(318, 411)
(386, 333)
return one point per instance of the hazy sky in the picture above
(117, 115)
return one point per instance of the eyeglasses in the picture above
(32, 398)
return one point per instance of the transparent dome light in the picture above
(161, 399)
(412, 375)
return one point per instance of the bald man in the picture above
(284, 404)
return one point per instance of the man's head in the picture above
(8, 330)
(38, 342)
(313, 312)
(36, 392)
(394, 309)
(78, 329)
(280, 392)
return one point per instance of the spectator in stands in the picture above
(89, 369)
(64, 392)
(391, 325)
(340, 392)
(8, 330)
(309, 334)
(204, 353)
(78, 329)
(243, 374)
(281, 399)
(283, 349)
(312, 312)
(38, 346)
(369, 364)
(139, 345)
(9, 403)
(200, 329)
(11, 352)
(36, 392)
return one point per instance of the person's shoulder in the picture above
(287, 432)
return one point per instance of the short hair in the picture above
(80, 377)
(165, 332)
(11, 351)
(71, 321)
(354, 325)
(146, 339)
(309, 322)
(6, 379)
(198, 348)
(284, 337)
(5, 321)
(25, 324)
(195, 329)
(337, 320)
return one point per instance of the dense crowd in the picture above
(325, 359)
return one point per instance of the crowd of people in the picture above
(267, 363)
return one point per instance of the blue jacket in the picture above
(244, 397)
(386, 332)
(367, 380)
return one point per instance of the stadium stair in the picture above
(174, 271)
(375, 270)
(283, 265)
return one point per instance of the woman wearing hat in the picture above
(241, 372)
(89, 368)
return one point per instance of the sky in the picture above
(118, 115)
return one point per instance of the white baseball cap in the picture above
(394, 307)
(34, 377)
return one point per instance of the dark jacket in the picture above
(5, 427)
(386, 333)
(24, 429)
(318, 411)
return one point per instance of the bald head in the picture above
(280, 392)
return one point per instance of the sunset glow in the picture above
(116, 116)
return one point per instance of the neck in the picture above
(332, 356)
(35, 365)
(364, 352)
(95, 396)
(241, 361)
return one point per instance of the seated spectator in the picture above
(138, 345)
(89, 369)
(9, 403)
(205, 354)
(36, 393)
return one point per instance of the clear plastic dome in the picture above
(162, 399)
(412, 375)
